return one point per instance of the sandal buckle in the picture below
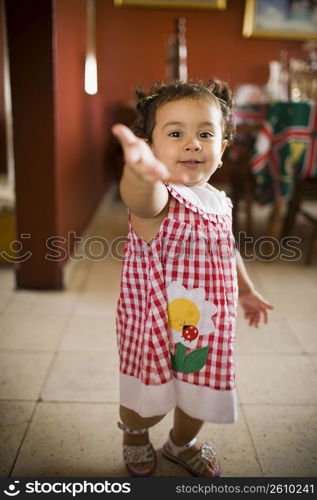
(135, 454)
(207, 452)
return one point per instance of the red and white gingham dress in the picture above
(176, 313)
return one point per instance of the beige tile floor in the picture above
(59, 384)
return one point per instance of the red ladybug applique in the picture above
(189, 333)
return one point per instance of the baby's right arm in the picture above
(141, 186)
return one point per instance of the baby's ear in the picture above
(224, 145)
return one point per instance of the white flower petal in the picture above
(213, 308)
(197, 295)
(175, 290)
(206, 326)
(191, 344)
(176, 336)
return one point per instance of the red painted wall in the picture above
(79, 125)
(132, 46)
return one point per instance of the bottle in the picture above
(273, 84)
(284, 76)
(181, 49)
(170, 67)
(176, 52)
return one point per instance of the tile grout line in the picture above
(69, 401)
(57, 348)
(23, 438)
(10, 350)
(59, 401)
(251, 438)
(56, 351)
(311, 357)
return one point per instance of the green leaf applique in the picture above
(180, 355)
(191, 363)
(195, 360)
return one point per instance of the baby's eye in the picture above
(174, 134)
(206, 135)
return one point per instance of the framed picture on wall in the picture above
(173, 4)
(280, 19)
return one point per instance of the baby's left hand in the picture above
(254, 305)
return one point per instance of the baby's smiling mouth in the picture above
(191, 163)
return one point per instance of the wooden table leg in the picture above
(275, 224)
(270, 241)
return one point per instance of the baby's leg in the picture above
(134, 421)
(184, 430)
(185, 427)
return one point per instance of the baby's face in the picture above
(187, 138)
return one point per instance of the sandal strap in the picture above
(134, 454)
(126, 429)
(176, 449)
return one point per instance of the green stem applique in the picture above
(191, 363)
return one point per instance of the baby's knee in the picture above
(135, 421)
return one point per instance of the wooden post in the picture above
(30, 42)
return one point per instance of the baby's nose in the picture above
(192, 145)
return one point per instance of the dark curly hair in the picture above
(160, 93)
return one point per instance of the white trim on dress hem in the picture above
(201, 402)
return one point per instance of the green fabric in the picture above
(285, 150)
(191, 363)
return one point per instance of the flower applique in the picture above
(189, 318)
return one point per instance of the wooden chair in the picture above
(241, 180)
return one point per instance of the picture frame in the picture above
(280, 19)
(174, 4)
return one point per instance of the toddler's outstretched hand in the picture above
(254, 305)
(140, 158)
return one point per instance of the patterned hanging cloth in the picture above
(285, 150)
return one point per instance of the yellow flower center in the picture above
(182, 312)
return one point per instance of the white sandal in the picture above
(196, 464)
(136, 454)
